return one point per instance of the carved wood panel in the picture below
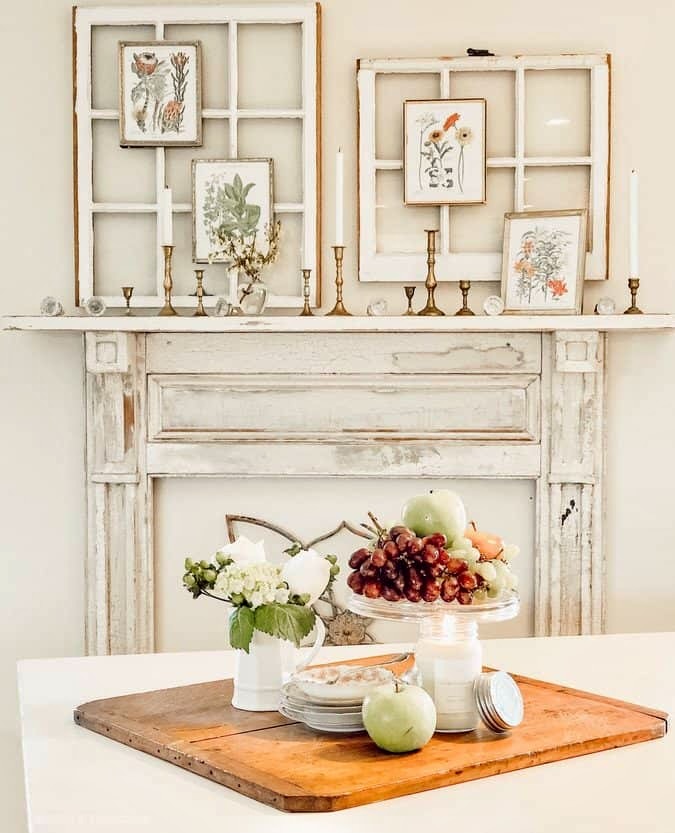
(530, 406)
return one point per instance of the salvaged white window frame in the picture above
(303, 13)
(483, 266)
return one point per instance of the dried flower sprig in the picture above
(241, 252)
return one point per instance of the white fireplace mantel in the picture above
(506, 397)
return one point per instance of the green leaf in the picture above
(285, 621)
(241, 628)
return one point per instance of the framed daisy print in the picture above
(543, 262)
(444, 151)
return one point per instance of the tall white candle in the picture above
(339, 199)
(634, 225)
(166, 217)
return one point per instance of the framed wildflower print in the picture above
(160, 93)
(230, 198)
(543, 261)
(444, 151)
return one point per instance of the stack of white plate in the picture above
(329, 698)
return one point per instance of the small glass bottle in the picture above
(450, 658)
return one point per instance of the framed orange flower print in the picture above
(543, 262)
(160, 94)
(444, 151)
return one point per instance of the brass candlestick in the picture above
(167, 309)
(465, 286)
(200, 311)
(431, 282)
(306, 274)
(633, 309)
(409, 292)
(128, 291)
(339, 308)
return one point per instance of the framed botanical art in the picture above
(543, 261)
(444, 151)
(230, 197)
(160, 93)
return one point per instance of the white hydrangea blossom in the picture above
(259, 583)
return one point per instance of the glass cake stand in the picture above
(448, 652)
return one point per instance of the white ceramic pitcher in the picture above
(259, 675)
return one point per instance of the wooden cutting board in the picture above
(271, 759)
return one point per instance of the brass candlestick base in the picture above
(200, 311)
(409, 292)
(339, 308)
(128, 291)
(633, 309)
(431, 283)
(465, 286)
(167, 309)
(306, 274)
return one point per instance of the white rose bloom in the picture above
(243, 551)
(307, 573)
(281, 596)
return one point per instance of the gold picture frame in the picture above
(547, 266)
(161, 112)
(422, 147)
(198, 255)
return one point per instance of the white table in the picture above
(78, 781)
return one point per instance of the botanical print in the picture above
(543, 261)
(159, 90)
(231, 200)
(444, 151)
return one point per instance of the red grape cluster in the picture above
(404, 566)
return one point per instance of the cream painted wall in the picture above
(42, 496)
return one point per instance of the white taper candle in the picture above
(339, 198)
(634, 248)
(166, 217)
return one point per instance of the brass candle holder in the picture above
(409, 292)
(431, 283)
(200, 311)
(167, 309)
(339, 308)
(633, 286)
(128, 291)
(465, 286)
(306, 274)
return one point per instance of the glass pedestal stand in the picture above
(448, 653)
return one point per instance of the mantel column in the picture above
(119, 550)
(570, 566)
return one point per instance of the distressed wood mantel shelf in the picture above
(358, 324)
(324, 397)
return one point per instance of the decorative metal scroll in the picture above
(342, 626)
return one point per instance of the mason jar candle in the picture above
(450, 658)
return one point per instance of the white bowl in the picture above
(341, 683)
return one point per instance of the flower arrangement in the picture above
(273, 599)
(240, 250)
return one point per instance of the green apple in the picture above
(437, 511)
(399, 718)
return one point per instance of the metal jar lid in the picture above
(499, 701)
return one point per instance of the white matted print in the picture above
(444, 157)
(543, 261)
(160, 93)
(230, 198)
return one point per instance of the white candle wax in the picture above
(166, 217)
(339, 198)
(634, 226)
